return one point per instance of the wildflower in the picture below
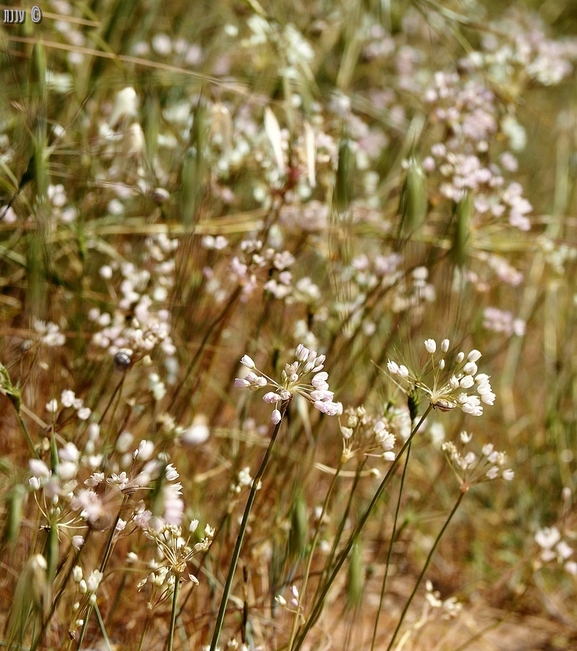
(197, 433)
(91, 507)
(144, 450)
(431, 346)
(368, 435)
(175, 551)
(52, 406)
(303, 377)
(433, 598)
(471, 468)
(450, 385)
(547, 538)
(156, 386)
(502, 321)
(125, 104)
(50, 334)
(67, 398)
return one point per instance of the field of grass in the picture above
(288, 310)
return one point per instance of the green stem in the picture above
(311, 553)
(27, 435)
(56, 599)
(242, 531)
(426, 566)
(107, 552)
(143, 633)
(102, 627)
(173, 612)
(340, 529)
(315, 612)
(390, 550)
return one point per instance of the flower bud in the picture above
(431, 346)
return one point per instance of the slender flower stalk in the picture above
(312, 551)
(103, 563)
(173, 611)
(102, 627)
(390, 550)
(59, 594)
(340, 529)
(316, 610)
(242, 531)
(426, 567)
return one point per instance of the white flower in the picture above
(84, 413)
(248, 362)
(393, 367)
(571, 568)
(39, 469)
(144, 450)
(431, 346)
(125, 104)
(294, 381)
(69, 452)
(563, 550)
(474, 356)
(547, 537)
(67, 470)
(198, 432)
(67, 398)
(94, 580)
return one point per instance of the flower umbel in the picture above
(303, 377)
(471, 468)
(367, 435)
(175, 552)
(450, 386)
